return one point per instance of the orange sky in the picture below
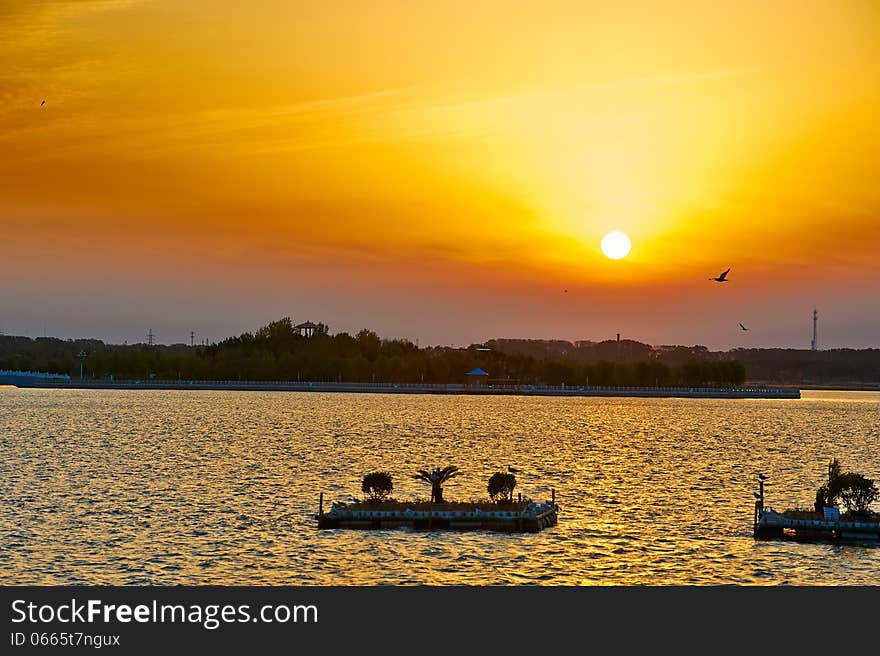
(441, 171)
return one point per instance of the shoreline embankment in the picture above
(731, 392)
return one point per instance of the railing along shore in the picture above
(413, 388)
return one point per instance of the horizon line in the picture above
(416, 342)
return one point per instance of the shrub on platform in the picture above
(855, 491)
(377, 485)
(501, 486)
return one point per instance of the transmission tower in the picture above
(814, 345)
(150, 337)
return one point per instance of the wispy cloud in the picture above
(415, 113)
(40, 57)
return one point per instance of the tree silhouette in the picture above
(277, 352)
(437, 478)
(500, 486)
(855, 491)
(829, 491)
(377, 485)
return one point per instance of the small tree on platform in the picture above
(437, 478)
(501, 487)
(855, 491)
(377, 485)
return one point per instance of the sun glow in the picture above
(470, 149)
(616, 245)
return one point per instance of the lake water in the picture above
(169, 487)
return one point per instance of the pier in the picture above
(730, 392)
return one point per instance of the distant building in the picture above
(307, 329)
(477, 377)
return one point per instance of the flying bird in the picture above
(511, 470)
(722, 277)
(743, 327)
(42, 103)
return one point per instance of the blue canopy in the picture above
(477, 372)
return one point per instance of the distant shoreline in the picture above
(740, 392)
(855, 387)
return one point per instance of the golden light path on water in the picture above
(165, 487)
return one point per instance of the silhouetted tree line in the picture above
(625, 350)
(810, 367)
(779, 366)
(278, 352)
(48, 354)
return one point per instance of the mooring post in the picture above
(759, 504)
(755, 528)
(553, 495)
(321, 505)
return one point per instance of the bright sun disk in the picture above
(616, 245)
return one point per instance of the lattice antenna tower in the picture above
(814, 345)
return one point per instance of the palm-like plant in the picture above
(437, 478)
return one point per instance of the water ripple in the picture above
(165, 488)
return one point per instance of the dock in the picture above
(808, 526)
(811, 527)
(44, 381)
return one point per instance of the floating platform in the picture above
(813, 527)
(515, 517)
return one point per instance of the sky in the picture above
(442, 172)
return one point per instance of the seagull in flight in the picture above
(743, 327)
(722, 277)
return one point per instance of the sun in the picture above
(616, 245)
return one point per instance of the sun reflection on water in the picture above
(120, 487)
